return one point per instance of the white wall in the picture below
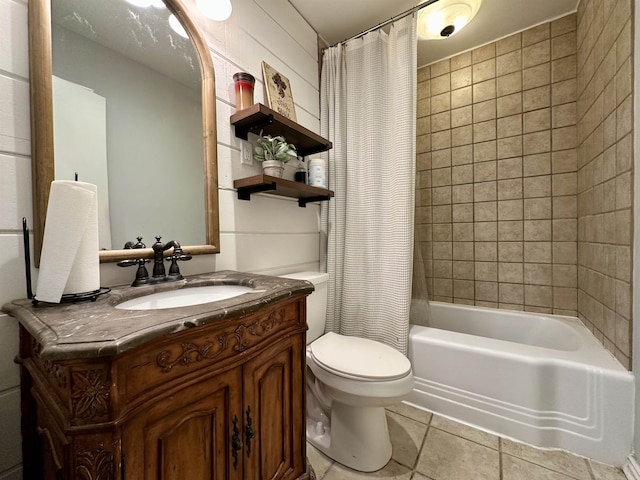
(268, 234)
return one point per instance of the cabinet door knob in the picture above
(249, 432)
(236, 443)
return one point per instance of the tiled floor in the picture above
(430, 447)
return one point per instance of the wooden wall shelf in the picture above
(281, 187)
(259, 118)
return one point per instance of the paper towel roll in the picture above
(69, 262)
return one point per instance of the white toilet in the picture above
(349, 382)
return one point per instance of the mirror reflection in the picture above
(127, 116)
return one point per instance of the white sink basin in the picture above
(184, 297)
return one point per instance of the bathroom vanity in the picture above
(210, 391)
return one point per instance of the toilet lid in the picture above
(359, 357)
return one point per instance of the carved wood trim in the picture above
(275, 318)
(57, 372)
(95, 464)
(193, 353)
(90, 395)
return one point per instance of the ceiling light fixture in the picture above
(445, 18)
(218, 10)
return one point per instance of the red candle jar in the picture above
(244, 83)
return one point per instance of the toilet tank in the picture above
(316, 301)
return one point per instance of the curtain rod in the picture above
(387, 22)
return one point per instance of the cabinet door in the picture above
(274, 412)
(188, 434)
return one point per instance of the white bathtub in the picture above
(540, 379)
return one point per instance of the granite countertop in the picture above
(94, 329)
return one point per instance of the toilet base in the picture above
(358, 437)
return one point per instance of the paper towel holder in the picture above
(66, 298)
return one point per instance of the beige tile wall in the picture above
(497, 182)
(525, 172)
(605, 171)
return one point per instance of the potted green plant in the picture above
(273, 152)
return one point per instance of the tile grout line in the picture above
(424, 442)
(590, 470)
(570, 476)
(501, 473)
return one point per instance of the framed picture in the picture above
(278, 92)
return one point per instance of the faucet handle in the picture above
(142, 275)
(133, 261)
(127, 263)
(130, 244)
(178, 254)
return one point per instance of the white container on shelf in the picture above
(318, 173)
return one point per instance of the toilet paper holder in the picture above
(66, 298)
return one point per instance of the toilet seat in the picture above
(359, 358)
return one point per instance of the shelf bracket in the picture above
(302, 202)
(244, 193)
(318, 149)
(242, 132)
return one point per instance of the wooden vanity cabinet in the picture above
(219, 401)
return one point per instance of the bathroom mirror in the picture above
(122, 68)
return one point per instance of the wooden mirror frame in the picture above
(43, 166)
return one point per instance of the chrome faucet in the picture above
(159, 272)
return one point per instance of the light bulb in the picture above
(434, 22)
(218, 10)
(176, 26)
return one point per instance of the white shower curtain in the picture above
(368, 111)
